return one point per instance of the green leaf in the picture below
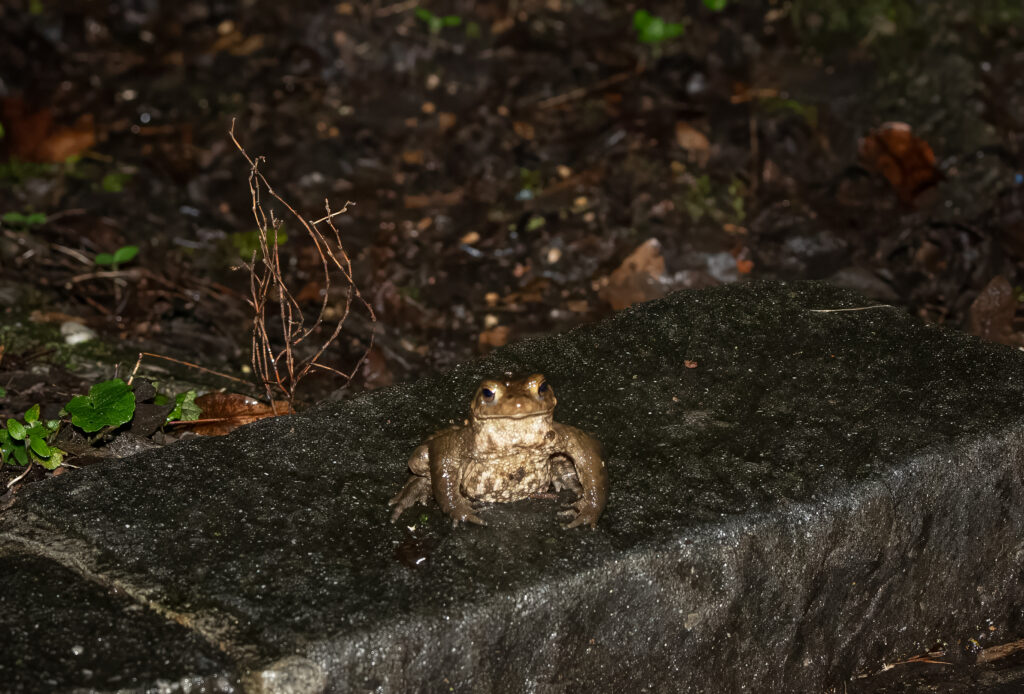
(161, 399)
(4, 437)
(3, 392)
(32, 415)
(53, 425)
(104, 259)
(452, 20)
(115, 181)
(23, 221)
(423, 14)
(652, 30)
(125, 253)
(111, 403)
(716, 5)
(16, 429)
(185, 408)
(248, 242)
(21, 455)
(1, 131)
(53, 460)
(39, 447)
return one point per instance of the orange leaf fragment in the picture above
(693, 142)
(33, 136)
(906, 161)
(640, 277)
(495, 337)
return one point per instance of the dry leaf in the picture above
(376, 372)
(694, 142)
(416, 202)
(690, 363)
(523, 130)
(904, 159)
(992, 312)
(445, 121)
(33, 136)
(640, 277)
(225, 412)
(495, 337)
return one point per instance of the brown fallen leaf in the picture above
(416, 202)
(33, 135)
(524, 130)
(640, 277)
(690, 363)
(693, 142)
(495, 337)
(225, 412)
(992, 312)
(375, 369)
(906, 161)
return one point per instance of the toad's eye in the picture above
(488, 394)
(543, 387)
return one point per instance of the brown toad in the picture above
(509, 449)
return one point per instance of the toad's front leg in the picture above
(417, 488)
(447, 461)
(585, 452)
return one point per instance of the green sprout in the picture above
(185, 407)
(117, 258)
(115, 181)
(23, 444)
(248, 242)
(654, 30)
(436, 23)
(18, 220)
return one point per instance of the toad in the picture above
(509, 449)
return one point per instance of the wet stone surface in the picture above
(62, 633)
(797, 497)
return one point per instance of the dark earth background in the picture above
(529, 166)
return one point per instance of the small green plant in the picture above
(654, 30)
(22, 444)
(115, 181)
(248, 242)
(119, 257)
(108, 404)
(435, 23)
(716, 5)
(185, 407)
(721, 205)
(19, 220)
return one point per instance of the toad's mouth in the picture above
(524, 415)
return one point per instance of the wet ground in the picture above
(518, 168)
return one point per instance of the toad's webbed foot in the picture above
(416, 491)
(581, 512)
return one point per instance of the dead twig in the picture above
(993, 653)
(274, 358)
(190, 365)
(841, 310)
(580, 92)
